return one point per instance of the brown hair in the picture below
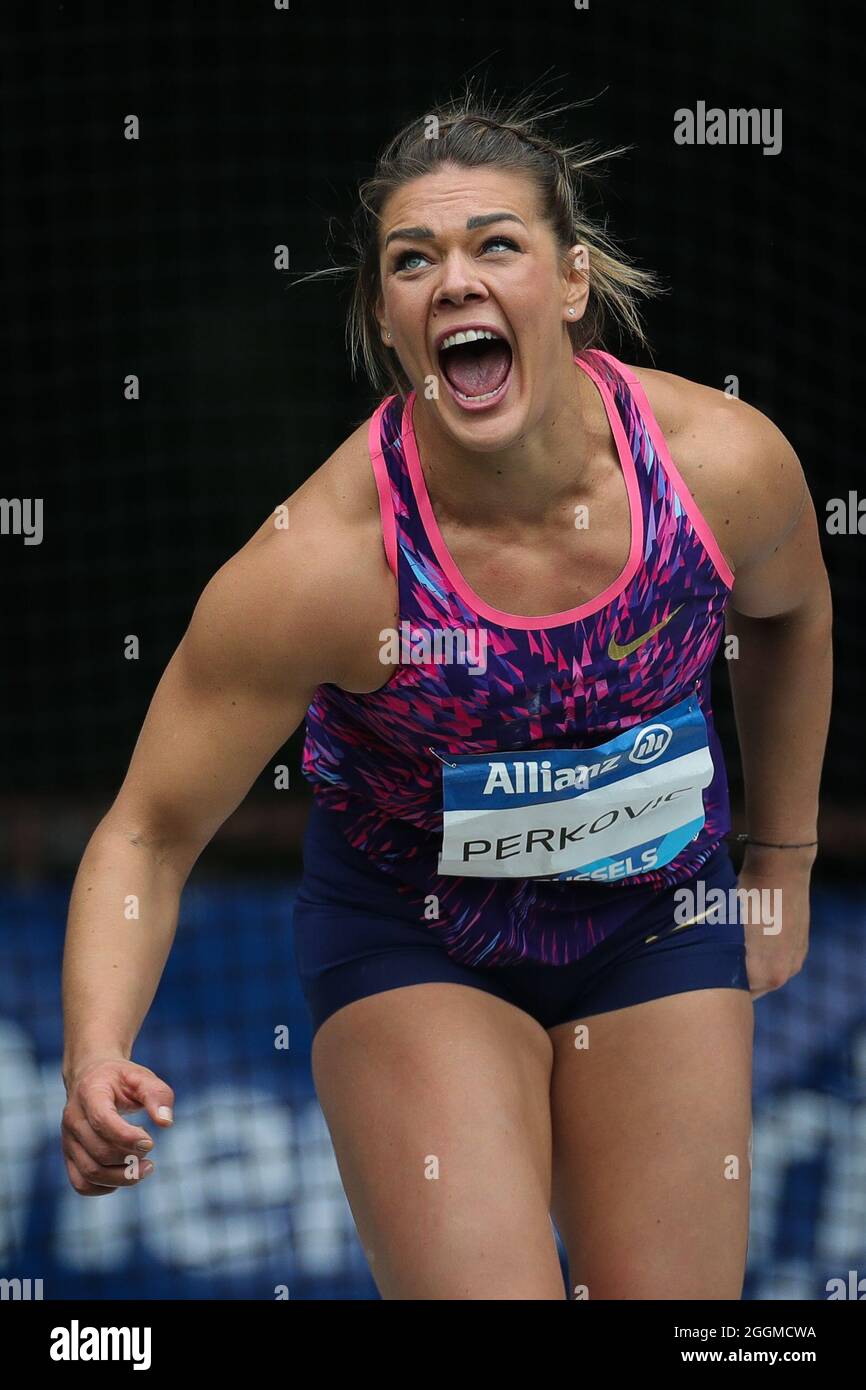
(472, 131)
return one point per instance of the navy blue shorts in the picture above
(352, 938)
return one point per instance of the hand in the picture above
(775, 918)
(103, 1152)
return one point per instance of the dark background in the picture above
(155, 257)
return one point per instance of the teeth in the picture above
(470, 336)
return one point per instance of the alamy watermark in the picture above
(720, 906)
(846, 516)
(854, 1287)
(20, 1290)
(736, 126)
(445, 646)
(77, 1343)
(22, 516)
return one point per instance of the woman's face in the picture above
(464, 249)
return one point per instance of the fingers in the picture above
(82, 1187)
(95, 1164)
(102, 1150)
(91, 1178)
(102, 1096)
(98, 1107)
(107, 1152)
(157, 1099)
(149, 1092)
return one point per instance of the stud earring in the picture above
(571, 311)
(387, 335)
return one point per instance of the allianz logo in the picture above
(651, 743)
(516, 778)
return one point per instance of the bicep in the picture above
(225, 704)
(779, 569)
(789, 576)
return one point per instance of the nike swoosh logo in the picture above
(700, 917)
(616, 652)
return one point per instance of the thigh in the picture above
(651, 1124)
(437, 1100)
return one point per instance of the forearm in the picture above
(122, 920)
(781, 680)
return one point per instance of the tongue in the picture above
(476, 370)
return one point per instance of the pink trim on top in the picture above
(383, 486)
(690, 506)
(455, 578)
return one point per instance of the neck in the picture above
(549, 462)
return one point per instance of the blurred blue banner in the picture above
(246, 1200)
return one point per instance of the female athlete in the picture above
(519, 931)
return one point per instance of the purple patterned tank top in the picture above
(479, 696)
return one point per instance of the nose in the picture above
(459, 282)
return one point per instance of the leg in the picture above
(650, 1121)
(437, 1098)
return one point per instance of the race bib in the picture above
(625, 807)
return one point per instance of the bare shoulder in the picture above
(741, 470)
(307, 594)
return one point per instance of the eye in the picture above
(404, 256)
(502, 240)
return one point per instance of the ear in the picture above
(382, 322)
(577, 283)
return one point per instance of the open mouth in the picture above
(477, 369)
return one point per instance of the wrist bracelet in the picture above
(769, 844)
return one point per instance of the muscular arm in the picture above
(278, 619)
(780, 612)
(749, 484)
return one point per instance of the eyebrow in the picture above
(426, 234)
